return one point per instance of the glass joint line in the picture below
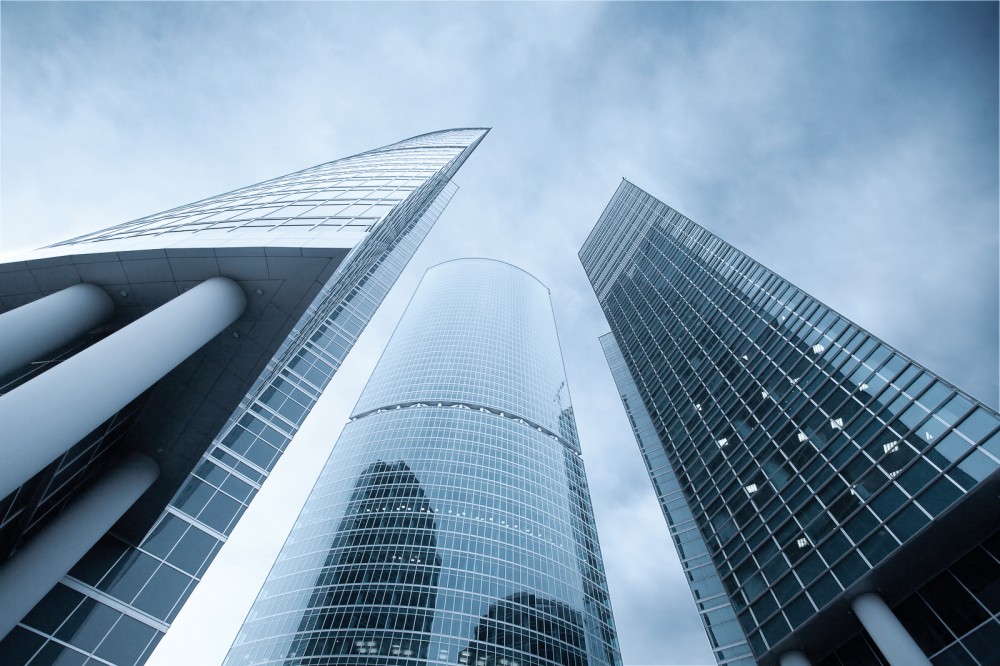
(473, 406)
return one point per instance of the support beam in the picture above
(891, 637)
(35, 568)
(35, 329)
(794, 658)
(44, 417)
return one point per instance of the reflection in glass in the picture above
(527, 630)
(376, 593)
(452, 523)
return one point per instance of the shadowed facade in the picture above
(843, 495)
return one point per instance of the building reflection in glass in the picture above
(378, 586)
(470, 399)
(524, 629)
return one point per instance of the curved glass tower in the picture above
(452, 523)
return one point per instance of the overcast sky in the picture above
(850, 147)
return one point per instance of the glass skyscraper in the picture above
(452, 523)
(714, 608)
(153, 373)
(845, 496)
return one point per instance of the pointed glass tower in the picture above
(153, 373)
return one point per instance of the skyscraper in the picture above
(155, 371)
(844, 495)
(452, 523)
(714, 608)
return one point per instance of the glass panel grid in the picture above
(830, 435)
(452, 523)
(149, 585)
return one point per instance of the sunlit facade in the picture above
(279, 278)
(452, 523)
(845, 495)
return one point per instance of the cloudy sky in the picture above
(850, 147)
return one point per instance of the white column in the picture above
(47, 415)
(794, 658)
(891, 637)
(35, 569)
(29, 332)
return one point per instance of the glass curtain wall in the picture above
(452, 523)
(808, 451)
(119, 600)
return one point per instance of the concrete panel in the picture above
(102, 272)
(153, 294)
(147, 270)
(92, 258)
(194, 268)
(18, 282)
(243, 268)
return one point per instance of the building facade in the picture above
(714, 608)
(845, 496)
(153, 373)
(452, 523)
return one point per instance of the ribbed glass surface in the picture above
(809, 452)
(515, 365)
(459, 533)
(312, 206)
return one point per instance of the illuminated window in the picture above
(890, 447)
(750, 488)
(802, 436)
(818, 348)
(836, 424)
(723, 442)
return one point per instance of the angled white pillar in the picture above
(35, 569)
(794, 658)
(44, 417)
(29, 332)
(891, 637)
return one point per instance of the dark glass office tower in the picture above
(846, 496)
(152, 373)
(716, 612)
(452, 523)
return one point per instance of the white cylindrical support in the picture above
(35, 569)
(47, 415)
(794, 658)
(29, 332)
(891, 637)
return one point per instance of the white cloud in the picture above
(825, 140)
